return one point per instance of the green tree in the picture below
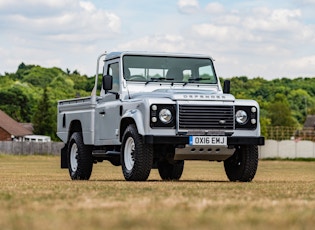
(16, 103)
(43, 119)
(22, 70)
(279, 112)
(39, 76)
(299, 100)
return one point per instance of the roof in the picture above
(12, 126)
(113, 55)
(28, 126)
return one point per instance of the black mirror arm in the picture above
(115, 93)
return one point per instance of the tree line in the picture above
(31, 94)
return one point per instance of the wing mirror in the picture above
(107, 82)
(226, 86)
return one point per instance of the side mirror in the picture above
(226, 86)
(107, 82)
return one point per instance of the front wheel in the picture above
(170, 171)
(242, 165)
(80, 160)
(136, 156)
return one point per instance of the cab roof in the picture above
(114, 55)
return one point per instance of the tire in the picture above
(80, 160)
(242, 165)
(170, 171)
(136, 157)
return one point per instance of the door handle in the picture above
(102, 113)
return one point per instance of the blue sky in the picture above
(270, 39)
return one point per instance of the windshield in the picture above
(168, 69)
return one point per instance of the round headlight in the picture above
(165, 116)
(241, 117)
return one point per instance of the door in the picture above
(108, 111)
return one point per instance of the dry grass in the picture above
(36, 194)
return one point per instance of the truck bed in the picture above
(77, 109)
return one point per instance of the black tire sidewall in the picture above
(242, 165)
(85, 160)
(143, 156)
(170, 171)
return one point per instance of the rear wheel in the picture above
(80, 160)
(136, 156)
(170, 171)
(242, 165)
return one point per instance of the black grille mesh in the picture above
(206, 117)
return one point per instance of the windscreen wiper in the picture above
(156, 79)
(192, 80)
(195, 79)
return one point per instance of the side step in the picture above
(105, 154)
(112, 156)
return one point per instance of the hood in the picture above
(185, 95)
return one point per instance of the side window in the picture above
(113, 69)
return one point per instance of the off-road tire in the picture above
(170, 171)
(242, 165)
(136, 156)
(80, 160)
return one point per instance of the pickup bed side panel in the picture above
(81, 111)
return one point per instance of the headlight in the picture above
(162, 116)
(165, 116)
(246, 117)
(241, 117)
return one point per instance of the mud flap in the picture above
(63, 160)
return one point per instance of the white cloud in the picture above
(80, 22)
(88, 6)
(161, 43)
(253, 38)
(303, 63)
(273, 20)
(215, 8)
(35, 8)
(50, 33)
(305, 2)
(224, 34)
(188, 6)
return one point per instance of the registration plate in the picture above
(207, 140)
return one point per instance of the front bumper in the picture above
(183, 140)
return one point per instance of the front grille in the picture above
(206, 117)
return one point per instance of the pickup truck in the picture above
(154, 111)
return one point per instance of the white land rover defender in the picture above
(156, 110)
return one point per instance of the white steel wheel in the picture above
(74, 157)
(80, 160)
(129, 153)
(136, 156)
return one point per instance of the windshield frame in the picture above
(188, 69)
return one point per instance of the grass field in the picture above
(36, 194)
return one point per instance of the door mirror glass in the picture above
(226, 86)
(107, 82)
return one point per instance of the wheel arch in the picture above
(124, 124)
(131, 117)
(75, 126)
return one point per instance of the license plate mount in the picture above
(208, 140)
